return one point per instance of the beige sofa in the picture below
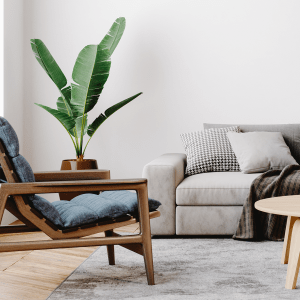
(206, 203)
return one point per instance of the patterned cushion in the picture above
(9, 138)
(209, 151)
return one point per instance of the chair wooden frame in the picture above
(13, 198)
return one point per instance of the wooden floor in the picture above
(33, 275)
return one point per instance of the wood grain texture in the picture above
(294, 258)
(285, 206)
(17, 279)
(287, 239)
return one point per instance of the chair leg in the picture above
(110, 249)
(146, 233)
(294, 258)
(148, 259)
(287, 239)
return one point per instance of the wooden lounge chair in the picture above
(15, 195)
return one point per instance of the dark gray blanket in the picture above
(256, 225)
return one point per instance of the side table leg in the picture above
(287, 239)
(294, 257)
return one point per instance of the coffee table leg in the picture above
(294, 257)
(287, 239)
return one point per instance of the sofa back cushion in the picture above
(290, 133)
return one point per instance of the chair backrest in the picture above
(15, 166)
(16, 169)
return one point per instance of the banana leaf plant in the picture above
(90, 73)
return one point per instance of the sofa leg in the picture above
(110, 249)
(294, 258)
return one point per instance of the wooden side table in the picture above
(287, 206)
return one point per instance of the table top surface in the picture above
(286, 205)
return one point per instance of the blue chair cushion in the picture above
(23, 169)
(9, 138)
(89, 208)
(46, 209)
(73, 214)
(129, 199)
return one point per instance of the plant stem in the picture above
(82, 132)
(86, 145)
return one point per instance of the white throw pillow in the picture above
(260, 151)
(209, 151)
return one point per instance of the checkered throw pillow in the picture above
(209, 151)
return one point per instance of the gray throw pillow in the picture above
(260, 151)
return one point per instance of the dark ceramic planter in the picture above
(73, 164)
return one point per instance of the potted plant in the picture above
(90, 72)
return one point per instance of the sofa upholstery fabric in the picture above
(215, 188)
(207, 220)
(164, 174)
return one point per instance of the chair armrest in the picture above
(26, 188)
(72, 175)
(164, 174)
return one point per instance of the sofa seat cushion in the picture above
(215, 188)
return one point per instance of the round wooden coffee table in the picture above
(287, 206)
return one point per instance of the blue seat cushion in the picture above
(129, 199)
(88, 208)
(73, 214)
(46, 209)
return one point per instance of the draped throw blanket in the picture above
(257, 225)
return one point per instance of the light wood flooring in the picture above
(33, 275)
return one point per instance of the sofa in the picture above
(207, 203)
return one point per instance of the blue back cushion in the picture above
(23, 169)
(9, 138)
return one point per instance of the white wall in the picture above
(195, 61)
(13, 71)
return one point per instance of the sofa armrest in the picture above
(164, 175)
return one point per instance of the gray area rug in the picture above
(189, 268)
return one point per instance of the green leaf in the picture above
(95, 125)
(112, 38)
(78, 125)
(63, 103)
(48, 63)
(90, 72)
(66, 93)
(117, 106)
(102, 117)
(67, 121)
